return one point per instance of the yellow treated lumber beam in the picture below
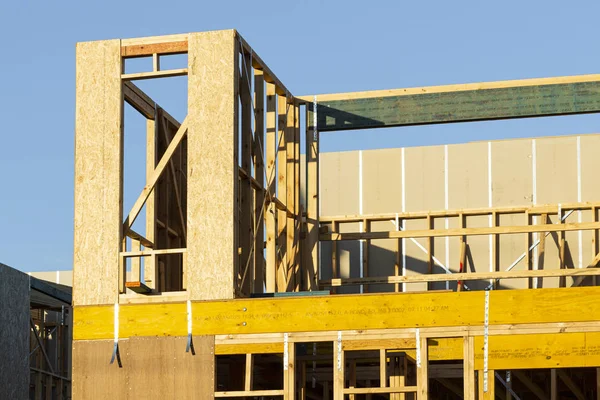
(342, 312)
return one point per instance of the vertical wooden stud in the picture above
(338, 372)
(422, 372)
(149, 264)
(469, 367)
(259, 173)
(366, 246)
(271, 214)
(312, 200)
(246, 194)
(290, 136)
(282, 110)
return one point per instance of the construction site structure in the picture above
(255, 271)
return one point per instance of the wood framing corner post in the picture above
(98, 177)
(212, 254)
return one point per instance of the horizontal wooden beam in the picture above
(458, 103)
(494, 230)
(467, 212)
(154, 74)
(251, 393)
(399, 389)
(463, 276)
(147, 253)
(341, 312)
(145, 50)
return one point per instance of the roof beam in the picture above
(458, 103)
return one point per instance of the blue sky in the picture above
(313, 47)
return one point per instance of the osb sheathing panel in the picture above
(98, 184)
(512, 184)
(14, 333)
(152, 368)
(212, 176)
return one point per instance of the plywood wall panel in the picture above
(212, 166)
(98, 177)
(152, 368)
(14, 333)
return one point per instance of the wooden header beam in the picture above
(458, 103)
(341, 312)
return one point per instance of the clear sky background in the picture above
(312, 46)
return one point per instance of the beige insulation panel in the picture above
(98, 165)
(505, 173)
(212, 167)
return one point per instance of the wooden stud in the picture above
(297, 206)
(422, 372)
(542, 250)
(491, 389)
(271, 214)
(469, 367)
(149, 263)
(338, 373)
(291, 372)
(494, 249)
(335, 267)
(290, 136)
(246, 230)
(366, 244)
(429, 250)
(312, 202)
(528, 258)
(259, 173)
(398, 263)
(382, 368)
(282, 110)
(248, 373)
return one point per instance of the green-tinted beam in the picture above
(459, 106)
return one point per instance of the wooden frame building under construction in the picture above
(440, 272)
